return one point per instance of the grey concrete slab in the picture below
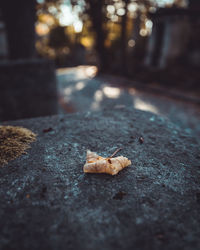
(47, 202)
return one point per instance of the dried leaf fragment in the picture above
(97, 164)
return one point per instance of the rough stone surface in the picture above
(47, 202)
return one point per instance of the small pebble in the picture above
(141, 140)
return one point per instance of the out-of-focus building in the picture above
(3, 40)
(175, 35)
(27, 83)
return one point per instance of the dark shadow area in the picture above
(27, 82)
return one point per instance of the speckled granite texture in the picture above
(47, 202)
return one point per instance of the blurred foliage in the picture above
(109, 28)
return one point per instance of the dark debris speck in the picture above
(198, 197)
(47, 130)
(43, 191)
(141, 140)
(160, 236)
(120, 195)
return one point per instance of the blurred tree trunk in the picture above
(137, 48)
(97, 17)
(19, 18)
(159, 26)
(123, 38)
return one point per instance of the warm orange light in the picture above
(42, 29)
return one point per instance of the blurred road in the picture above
(81, 90)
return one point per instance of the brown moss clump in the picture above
(14, 141)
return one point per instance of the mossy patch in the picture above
(14, 141)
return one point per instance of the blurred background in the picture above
(123, 37)
(62, 56)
